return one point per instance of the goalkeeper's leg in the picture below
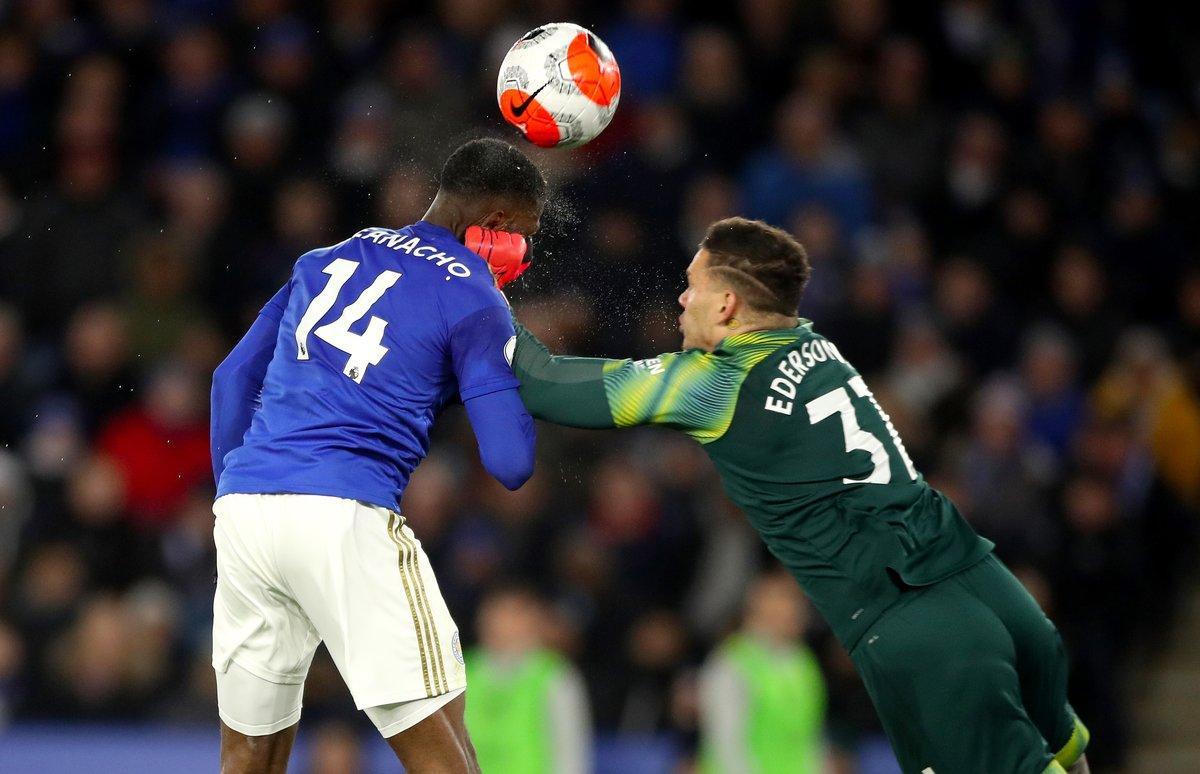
(1041, 660)
(942, 672)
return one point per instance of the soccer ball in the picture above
(559, 84)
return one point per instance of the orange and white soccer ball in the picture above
(559, 84)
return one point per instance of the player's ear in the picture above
(494, 220)
(728, 308)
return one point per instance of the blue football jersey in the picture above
(376, 335)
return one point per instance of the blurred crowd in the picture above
(999, 200)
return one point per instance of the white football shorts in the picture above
(296, 570)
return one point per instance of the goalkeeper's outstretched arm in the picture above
(688, 391)
(564, 390)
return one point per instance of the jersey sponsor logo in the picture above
(415, 247)
(794, 368)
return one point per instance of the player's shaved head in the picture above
(489, 168)
(765, 265)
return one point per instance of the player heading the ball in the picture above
(319, 416)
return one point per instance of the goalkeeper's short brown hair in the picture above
(766, 266)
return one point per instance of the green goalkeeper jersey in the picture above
(802, 447)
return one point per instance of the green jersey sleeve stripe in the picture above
(693, 391)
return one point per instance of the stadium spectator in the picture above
(762, 697)
(528, 707)
(810, 162)
(902, 135)
(160, 446)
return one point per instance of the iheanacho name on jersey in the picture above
(413, 246)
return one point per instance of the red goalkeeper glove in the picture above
(504, 252)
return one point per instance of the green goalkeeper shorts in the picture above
(970, 677)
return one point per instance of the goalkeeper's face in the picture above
(706, 307)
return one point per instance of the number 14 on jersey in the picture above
(365, 348)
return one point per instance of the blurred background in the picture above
(1000, 202)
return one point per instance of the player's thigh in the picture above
(399, 717)
(1041, 657)
(262, 640)
(365, 582)
(428, 734)
(941, 671)
(254, 706)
